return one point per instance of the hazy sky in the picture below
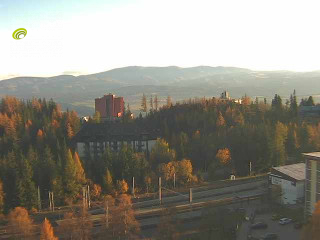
(88, 36)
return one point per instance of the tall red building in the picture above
(109, 107)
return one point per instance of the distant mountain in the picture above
(78, 93)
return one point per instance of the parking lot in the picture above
(284, 231)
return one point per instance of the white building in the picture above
(291, 178)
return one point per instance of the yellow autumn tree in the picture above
(80, 175)
(224, 156)
(220, 121)
(122, 186)
(47, 231)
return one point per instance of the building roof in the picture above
(114, 131)
(313, 155)
(296, 171)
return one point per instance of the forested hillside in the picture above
(199, 136)
(224, 137)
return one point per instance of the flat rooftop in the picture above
(296, 171)
(313, 155)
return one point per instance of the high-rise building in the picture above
(109, 106)
(312, 188)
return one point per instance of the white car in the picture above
(284, 221)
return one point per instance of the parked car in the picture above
(259, 225)
(270, 236)
(284, 221)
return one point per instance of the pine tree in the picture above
(144, 107)
(27, 193)
(47, 231)
(71, 186)
(151, 103)
(108, 183)
(156, 103)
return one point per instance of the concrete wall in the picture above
(290, 192)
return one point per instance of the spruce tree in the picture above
(71, 185)
(27, 192)
(108, 183)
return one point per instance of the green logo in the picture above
(19, 33)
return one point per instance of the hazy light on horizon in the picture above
(94, 36)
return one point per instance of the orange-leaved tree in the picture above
(47, 231)
(224, 156)
(20, 223)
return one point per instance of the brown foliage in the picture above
(224, 156)
(76, 226)
(20, 223)
(47, 231)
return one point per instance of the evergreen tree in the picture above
(27, 193)
(293, 105)
(71, 185)
(151, 103)
(144, 107)
(156, 102)
(108, 183)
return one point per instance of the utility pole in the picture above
(50, 204)
(84, 202)
(107, 214)
(133, 187)
(52, 201)
(39, 200)
(250, 168)
(89, 201)
(190, 195)
(174, 180)
(160, 194)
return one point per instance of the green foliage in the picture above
(26, 190)
(108, 183)
(71, 184)
(161, 153)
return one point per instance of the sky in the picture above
(89, 36)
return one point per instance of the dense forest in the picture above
(199, 136)
(223, 137)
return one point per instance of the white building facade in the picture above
(291, 178)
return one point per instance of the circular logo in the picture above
(19, 33)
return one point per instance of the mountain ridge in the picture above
(78, 92)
